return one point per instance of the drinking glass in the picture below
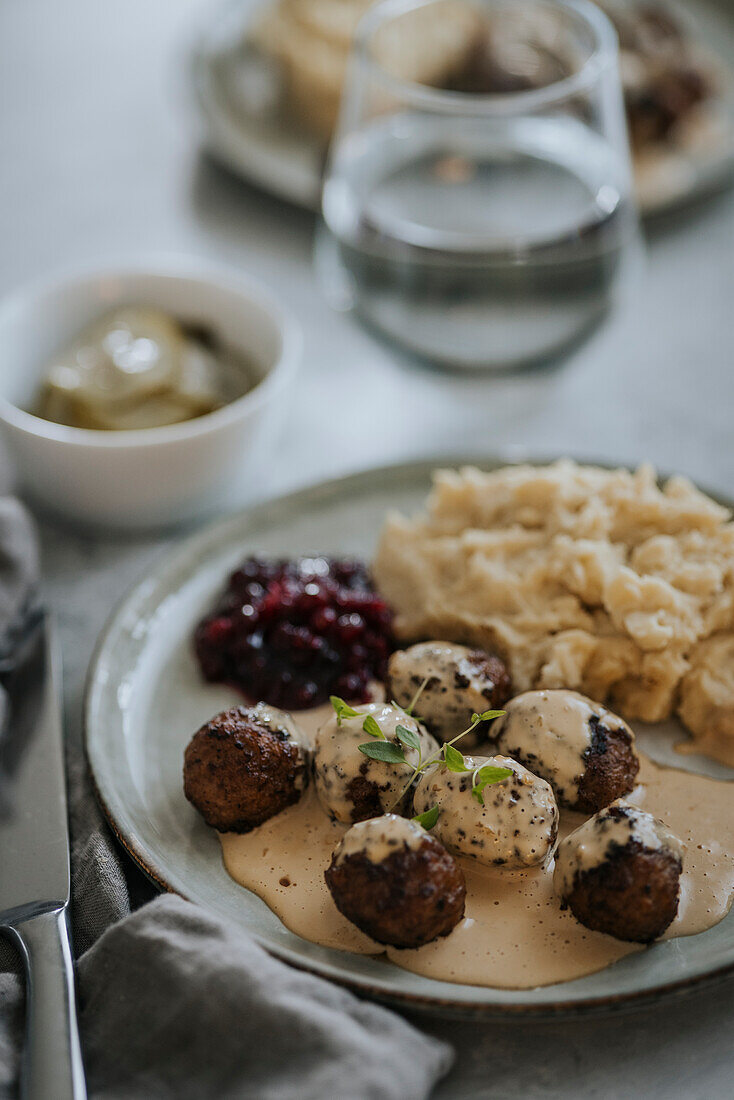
(478, 204)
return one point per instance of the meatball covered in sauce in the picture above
(350, 785)
(619, 873)
(396, 882)
(585, 752)
(515, 826)
(244, 766)
(456, 682)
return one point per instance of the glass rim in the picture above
(605, 50)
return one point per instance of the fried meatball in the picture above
(619, 873)
(396, 882)
(585, 752)
(515, 826)
(244, 766)
(458, 682)
(351, 786)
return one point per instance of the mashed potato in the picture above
(581, 578)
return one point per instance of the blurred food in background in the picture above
(311, 39)
(666, 74)
(679, 95)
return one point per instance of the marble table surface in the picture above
(101, 161)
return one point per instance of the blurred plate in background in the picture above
(239, 96)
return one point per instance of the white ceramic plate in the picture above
(145, 698)
(238, 97)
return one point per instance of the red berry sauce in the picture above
(294, 632)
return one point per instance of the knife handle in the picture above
(52, 1058)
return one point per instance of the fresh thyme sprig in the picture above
(407, 737)
(343, 710)
(483, 776)
(486, 776)
(371, 727)
(390, 752)
(397, 756)
(414, 701)
(428, 818)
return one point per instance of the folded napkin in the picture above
(175, 995)
(18, 578)
(175, 1002)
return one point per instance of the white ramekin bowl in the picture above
(157, 476)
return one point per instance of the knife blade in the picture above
(34, 866)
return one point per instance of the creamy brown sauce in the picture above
(514, 934)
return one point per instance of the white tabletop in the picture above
(100, 160)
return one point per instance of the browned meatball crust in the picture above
(410, 898)
(611, 767)
(495, 669)
(619, 873)
(243, 767)
(365, 795)
(632, 896)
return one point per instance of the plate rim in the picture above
(322, 490)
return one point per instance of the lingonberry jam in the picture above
(294, 632)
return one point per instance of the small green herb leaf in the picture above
(408, 737)
(453, 759)
(487, 777)
(370, 726)
(343, 710)
(490, 774)
(412, 704)
(383, 750)
(428, 818)
(486, 716)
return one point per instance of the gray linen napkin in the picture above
(178, 1003)
(173, 994)
(18, 579)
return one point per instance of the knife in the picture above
(34, 866)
